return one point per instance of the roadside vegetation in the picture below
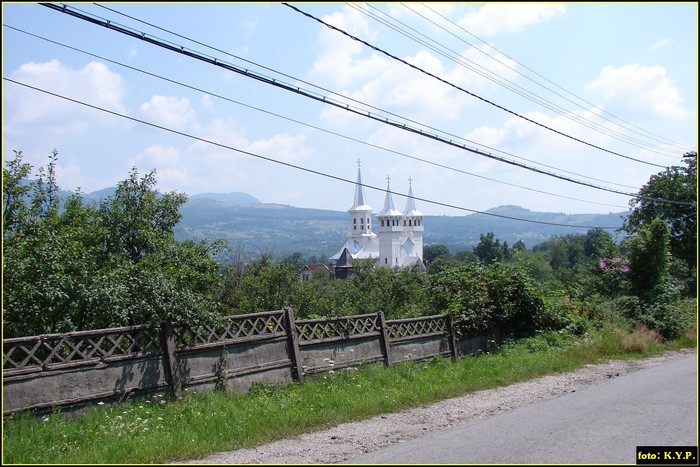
(159, 431)
(572, 300)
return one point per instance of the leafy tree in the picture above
(432, 252)
(649, 260)
(15, 192)
(671, 196)
(466, 256)
(483, 297)
(490, 249)
(77, 266)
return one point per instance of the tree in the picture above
(671, 196)
(432, 252)
(490, 249)
(485, 297)
(76, 266)
(649, 260)
(15, 192)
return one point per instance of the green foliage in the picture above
(79, 266)
(649, 260)
(490, 249)
(485, 297)
(432, 252)
(678, 185)
(670, 316)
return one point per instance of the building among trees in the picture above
(398, 241)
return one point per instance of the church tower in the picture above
(414, 230)
(361, 242)
(391, 232)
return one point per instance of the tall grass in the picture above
(159, 431)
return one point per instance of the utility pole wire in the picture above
(294, 166)
(393, 57)
(297, 90)
(461, 60)
(340, 135)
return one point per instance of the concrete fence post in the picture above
(384, 338)
(293, 339)
(451, 336)
(172, 374)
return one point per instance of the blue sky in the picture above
(620, 77)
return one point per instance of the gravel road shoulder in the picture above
(343, 442)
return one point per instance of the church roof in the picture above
(365, 247)
(411, 210)
(359, 204)
(389, 209)
(317, 267)
(345, 260)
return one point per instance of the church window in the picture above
(409, 222)
(354, 221)
(382, 222)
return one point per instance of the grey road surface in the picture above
(600, 424)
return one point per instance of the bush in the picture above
(481, 298)
(670, 317)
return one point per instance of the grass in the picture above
(159, 431)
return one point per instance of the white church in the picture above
(398, 241)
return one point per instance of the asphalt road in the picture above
(600, 424)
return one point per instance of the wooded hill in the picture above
(282, 230)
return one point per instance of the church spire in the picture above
(359, 189)
(410, 202)
(389, 209)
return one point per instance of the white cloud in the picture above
(660, 44)
(497, 18)
(638, 88)
(202, 167)
(207, 102)
(169, 111)
(94, 84)
(375, 79)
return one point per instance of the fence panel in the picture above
(74, 369)
(333, 343)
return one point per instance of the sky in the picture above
(553, 107)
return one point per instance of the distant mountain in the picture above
(254, 227)
(283, 230)
(236, 198)
(463, 232)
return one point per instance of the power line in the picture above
(502, 81)
(653, 136)
(455, 137)
(300, 122)
(294, 166)
(297, 90)
(393, 57)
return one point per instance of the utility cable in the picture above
(294, 166)
(475, 67)
(296, 89)
(658, 138)
(455, 137)
(393, 57)
(300, 122)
